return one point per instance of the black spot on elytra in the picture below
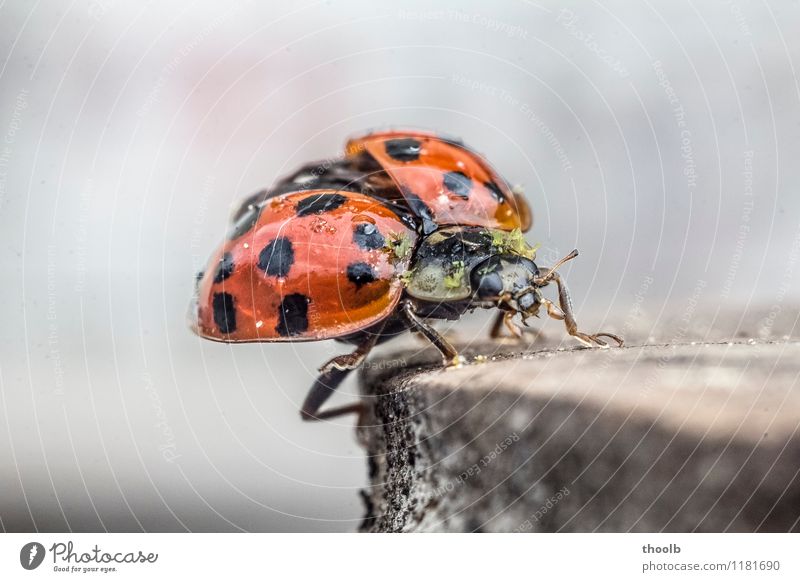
(495, 190)
(421, 210)
(458, 183)
(224, 268)
(360, 274)
(277, 257)
(293, 315)
(404, 149)
(319, 203)
(367, 236)
(224, 308)
(247, 219)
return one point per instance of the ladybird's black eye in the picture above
(486, 283)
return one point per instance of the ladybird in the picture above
(437, 180)
(407, 227)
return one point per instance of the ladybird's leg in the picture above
(497, 326)
(554, 310)
(557, 313)
(513, 328)
(565, 302)
(505, 319)
(352, 360)
(332, 374)
(447, 350)
(324, 387)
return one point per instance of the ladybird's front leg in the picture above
(501, 320)
(565, 313)
(449, 353)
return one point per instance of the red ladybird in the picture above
(314, 265)
(406, 227)
(443, 182)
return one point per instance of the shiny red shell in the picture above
(445, 180)
(305, 266)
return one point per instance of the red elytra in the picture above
(443, 177)
(314, 265)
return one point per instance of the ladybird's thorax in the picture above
(450, 264)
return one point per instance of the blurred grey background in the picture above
(662, 139)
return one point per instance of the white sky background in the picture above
(129, 129)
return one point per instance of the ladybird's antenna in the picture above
(551, 272)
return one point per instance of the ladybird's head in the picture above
(513, 282)
(507, 280)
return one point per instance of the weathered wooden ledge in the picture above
(689, 437)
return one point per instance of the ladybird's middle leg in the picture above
(352, 360)
(447, 350)
(332, 374)
(324, 387)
